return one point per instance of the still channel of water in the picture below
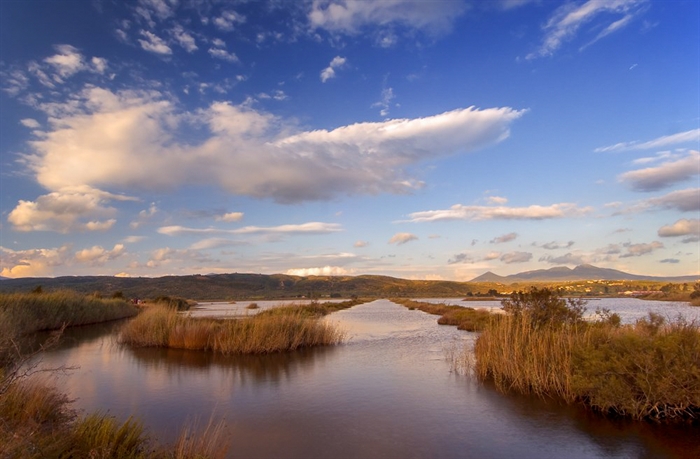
(388, 392)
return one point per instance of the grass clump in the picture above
(468, 319)
(36, 421)
(648, 370)
(262, 333)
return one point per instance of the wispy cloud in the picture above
(516, 257)
(340, 16)
(304, 228)
(637, 250)
(534, 212)
(505, 238)
(402, 238)
(154, 44)
(667, 174)
(567, 20)
(230, 217)
(686, 137)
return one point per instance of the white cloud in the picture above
(67, 62)
(350, 16)
(227, 20)
(97, 136)
(497, 200)
(98, 256)
(160, 8)
(402, 238)
(323, 271)
(33, 262)
(566, 21)
(220, 53)
(516, 257)
(664, 175)
(184, 38)
(534, 212)
(682, 227)
(99, 65)
(304, 228)
(505, 238)
(66, 210)
(230, 217)
(14, 81)
(154, 44)
(491, 256)
(329, 72)
(692, 136)
(30, 123)
(360, 244)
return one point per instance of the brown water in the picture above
(388, 392)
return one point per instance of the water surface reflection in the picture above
(387, 393)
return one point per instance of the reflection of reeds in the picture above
(647, 370)
(259, 334)
(36, 422)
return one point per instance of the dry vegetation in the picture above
(36, 420)
(647, 370)
(32, 312)
(468, 319)
(274, 330)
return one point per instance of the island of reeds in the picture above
(543, 346)
(36, 419)
(275, 330)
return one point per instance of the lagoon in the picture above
(389, 392)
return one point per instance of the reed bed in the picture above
(27, 313)
(264, 333)
(468, 319)
(649, 370)
(36, 421)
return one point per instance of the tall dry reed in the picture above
(647, 370)
(31, 312)
(259, 334)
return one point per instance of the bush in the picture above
(545, 306)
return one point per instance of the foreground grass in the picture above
(37, 422)
(275, 330)
(468, 319)
(35, 418)
(649, 370)
(24, 313)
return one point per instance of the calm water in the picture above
(387, 393)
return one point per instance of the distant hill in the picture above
(581, 272)
(242, 286)
(245, 286)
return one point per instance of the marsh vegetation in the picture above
(649, 369)
(36, 419)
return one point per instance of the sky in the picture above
(418, 139)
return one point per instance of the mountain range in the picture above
(580, 272)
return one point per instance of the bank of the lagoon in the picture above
(388, 392)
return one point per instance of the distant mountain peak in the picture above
(580, 272)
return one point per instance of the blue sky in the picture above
(424, 140)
